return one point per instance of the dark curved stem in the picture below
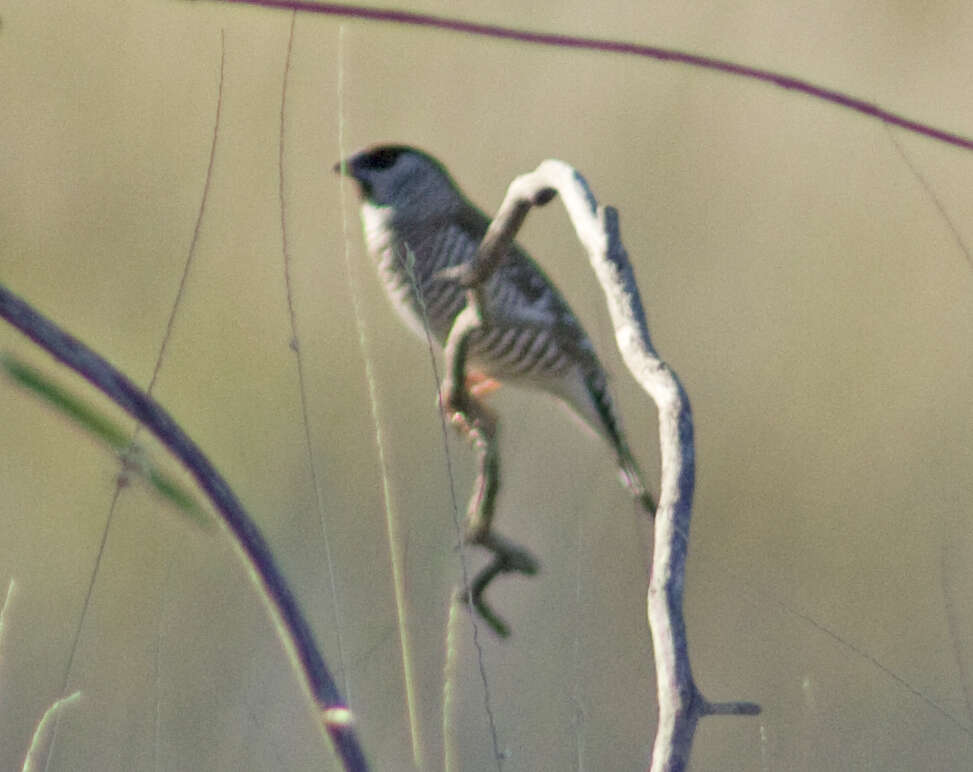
(660, 53)
(333, 713)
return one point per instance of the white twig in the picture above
(680, 702)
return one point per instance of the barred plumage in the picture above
(413, 211)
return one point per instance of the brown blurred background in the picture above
(797, 276)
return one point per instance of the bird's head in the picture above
(404, 178)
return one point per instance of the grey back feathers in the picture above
(417, 222)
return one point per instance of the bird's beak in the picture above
(346, 166)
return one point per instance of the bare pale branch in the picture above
(681, 704)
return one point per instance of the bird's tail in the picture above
(607, 422)
(586, 394)
(631, 476)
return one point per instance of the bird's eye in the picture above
(381, 159)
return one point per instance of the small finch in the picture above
(417, 223)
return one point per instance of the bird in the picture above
(417, 223)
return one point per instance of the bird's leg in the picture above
(480, 385)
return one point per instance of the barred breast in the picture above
(530, 322)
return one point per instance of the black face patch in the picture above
(381, 158)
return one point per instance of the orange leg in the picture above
(480, 385)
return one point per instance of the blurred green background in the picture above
(797, 276)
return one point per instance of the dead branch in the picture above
(479, 424)
(681, 704)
